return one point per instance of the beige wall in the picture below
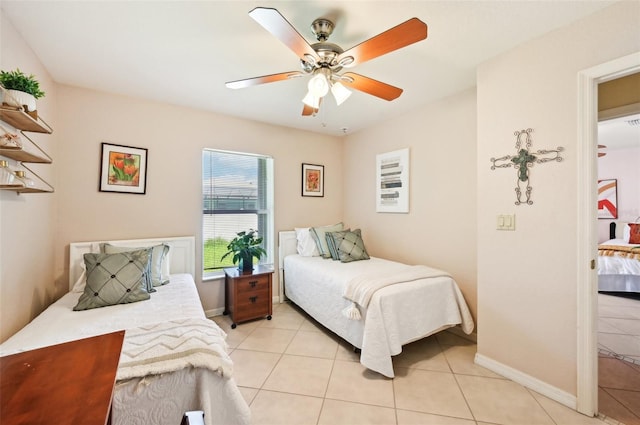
(527, 278)
(440, 228)
(172, 206)
(36, 229)
(27, 220)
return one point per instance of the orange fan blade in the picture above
(371, 86)
(248, 82)
(276, 24)
(395, 38)
(310, 111)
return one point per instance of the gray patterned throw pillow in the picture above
(115, 279)
(349, 245)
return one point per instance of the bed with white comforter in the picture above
(619, 259)
(160, 392)
(396, 314)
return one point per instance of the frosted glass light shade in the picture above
(340, 92)
(311, 100)
(318, 85)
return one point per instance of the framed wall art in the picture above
(608, 198)
(312, 180)
(123, 169)
(392, 182)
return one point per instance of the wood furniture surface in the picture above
(248, 295)
(69, 383)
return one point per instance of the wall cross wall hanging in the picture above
(523, 160)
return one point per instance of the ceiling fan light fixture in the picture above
(319, 85)
(340, 92)
(311, 100)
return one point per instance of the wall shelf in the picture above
(21, 120)
(18, 118)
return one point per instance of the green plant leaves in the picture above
(17, 80)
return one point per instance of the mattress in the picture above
(617, 273)
(396, 315)
(152, 399)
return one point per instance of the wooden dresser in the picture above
(70, 383)
(248, 295)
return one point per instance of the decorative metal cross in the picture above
(523, 161)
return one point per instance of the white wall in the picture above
(527, 285)
(440, 228)
(623, 165)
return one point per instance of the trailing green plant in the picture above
(17, 80)
(245, 245)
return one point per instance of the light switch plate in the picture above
(506, 222)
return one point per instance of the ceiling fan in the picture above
(325, 61)
(601, 154)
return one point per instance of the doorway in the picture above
(587, 354)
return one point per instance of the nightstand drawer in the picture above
(246, 300)
(252, 284)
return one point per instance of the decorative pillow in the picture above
(159, 256)
(318, 234)
(306, 245)
(115, 279)
(332, 246)
(634, 232)
(349, 245)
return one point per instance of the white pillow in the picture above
(306, 245)
(626, 232)
(82, 280)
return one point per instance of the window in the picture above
(237, 195)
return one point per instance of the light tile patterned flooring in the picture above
(292, 371)
(619, 358)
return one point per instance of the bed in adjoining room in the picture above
(374, 304)
(173, 358)
(619, 260)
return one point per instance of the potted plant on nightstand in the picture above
(21, 90)
(244, 247)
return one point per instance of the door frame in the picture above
(587, 278)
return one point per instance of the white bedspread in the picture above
(396, 315)
(618, 274)
(159, 399)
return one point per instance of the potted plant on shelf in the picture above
(21, 90)
(244, 247)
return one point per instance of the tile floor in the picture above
(292, 371)
(619, 358)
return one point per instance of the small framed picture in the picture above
(312, 180)
(123, 169)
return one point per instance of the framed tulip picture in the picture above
(123, 169)
(312, 180)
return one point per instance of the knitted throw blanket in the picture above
(632, 252)
(170, 346)
(360, 289)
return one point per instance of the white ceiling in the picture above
(620, 133)
(182, 52)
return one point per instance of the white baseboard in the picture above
(528, 381)
(218, 311)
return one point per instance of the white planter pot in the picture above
(19, 98)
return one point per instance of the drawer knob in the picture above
(253, 299)
(253, 283)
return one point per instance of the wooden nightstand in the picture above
(248, 295)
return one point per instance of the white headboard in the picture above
(287, 245)
(181, 254)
